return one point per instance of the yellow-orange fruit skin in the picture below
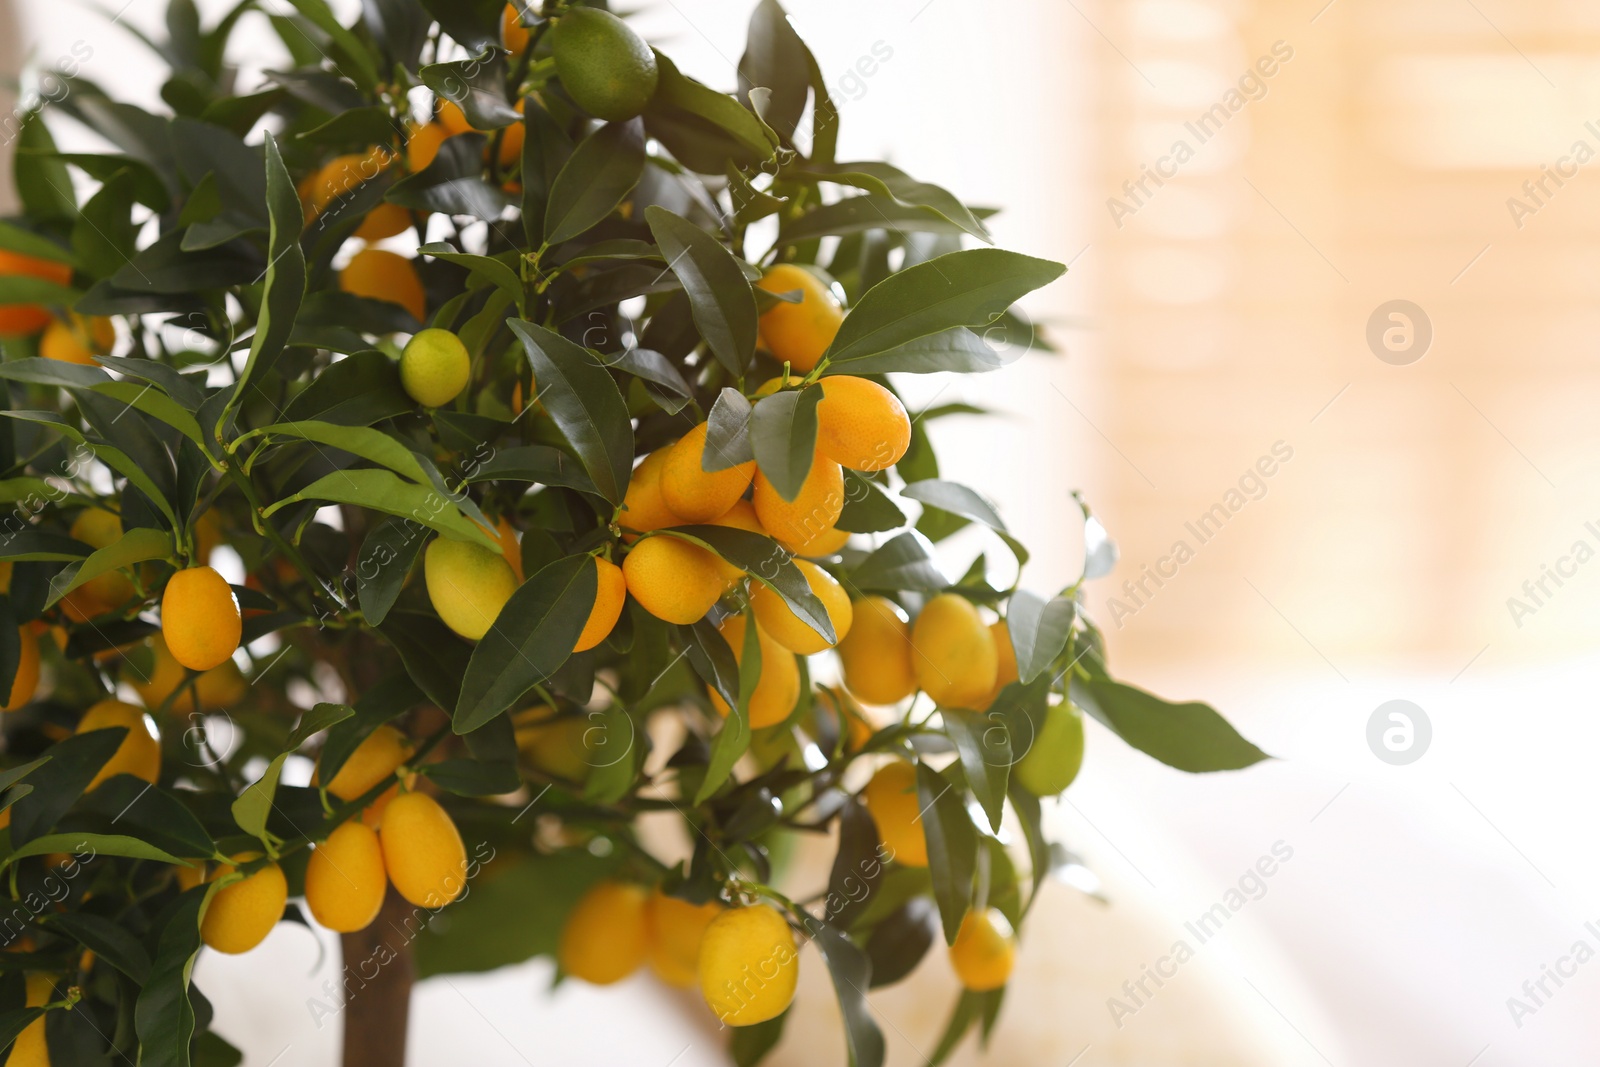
(876, 654)
(611, 591)
(787, 628)
(691, 491)
(139, 754)
(643, 508)
(379, 274)
(604, 939)
(860, 424)
(200, 619)
(954, 652)
(31, 1049)
(28, 318)
(984, 951)
(798, 334)
(674, 580)
(891, 797)
(26, 681)
(826, 543)
(377, 757)
(749, 966)
(422, 851)
(241, 915)
(345, 878)
(674, 929)
(776, 690)
(814, 510)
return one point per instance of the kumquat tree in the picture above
(541, 402)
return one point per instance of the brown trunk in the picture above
(379, 973)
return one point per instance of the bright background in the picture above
(1226, 314)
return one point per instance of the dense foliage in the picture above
(205, 351)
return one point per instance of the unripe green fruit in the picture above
(468, 585)
(606, 68)
(1056, 755)
(434, 367)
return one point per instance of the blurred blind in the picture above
(1273, 174)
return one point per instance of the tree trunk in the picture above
(379, 973)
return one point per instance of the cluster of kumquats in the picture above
(700, 529)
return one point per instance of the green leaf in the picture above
(97, 844)
(712, 659)
(14, 238)
(958, 499)
(433, 656)
(611, 744)
(957, 350)
(702, 128)
(952, 846)
(719, 293)
(163, 1014)
(495, 271)
(776, 59)
(904, 562)
(530, 639)
(135, 546)
(764, 561)
(103, 237)
(969, 1006)
(12, 1023)
(150, 813)
(867, 508)
(970, 288)
(733, 740)
(41, 546)
(358, 391)
(851, 974)
(42, 181)
(453, 183)
(253, 807)
(1191, 737)
(384, 491)
(363, 441)
(884, 180)
(858, 865)
(108, 940)
(473, 778)
(29, 289)
(581, 396)
(74, 761)
(539, 464)
(474, 24)
(749, 1045)
(158, 405)
(900, 941)
(598, 176)
(783, 435)
(984, 746)
(364, 71)
(285, 275)
(1039, 630)
(1031, 819)
(387, 556)
(728, 433)
(476, 86)
(860, 214)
